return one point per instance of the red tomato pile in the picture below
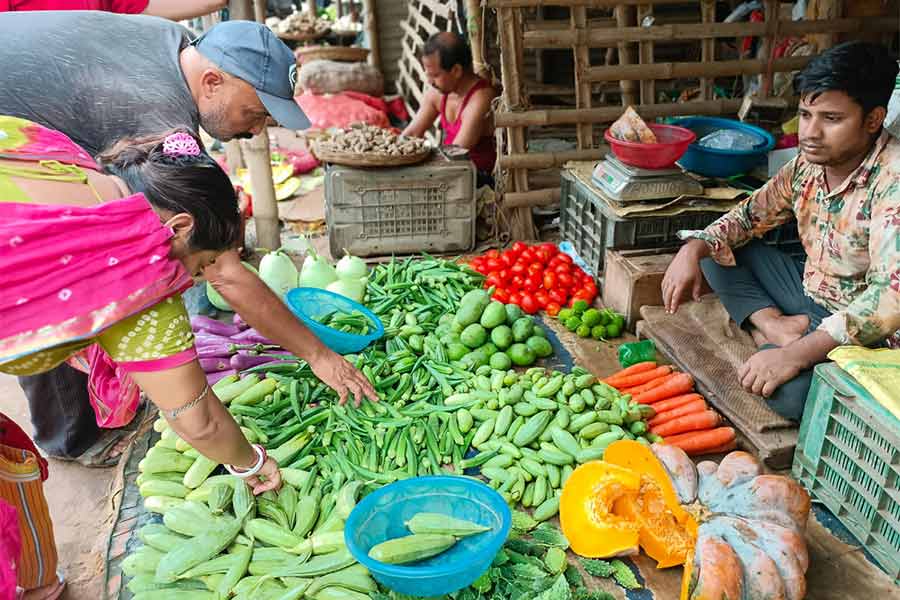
(538, 277)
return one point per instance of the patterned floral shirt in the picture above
(851, 236)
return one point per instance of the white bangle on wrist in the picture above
(260, 453)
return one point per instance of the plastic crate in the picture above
(425, 208)
(591, 226)
(588, 222)
(848, 457)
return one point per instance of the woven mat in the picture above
(704, 337)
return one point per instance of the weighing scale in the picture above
(625, 183)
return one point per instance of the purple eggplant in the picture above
(215, 351)
(214, 365)
(201, 323)
(203, 338)
(250, 336)
(245, 361)
(213, 378)
(239, 322)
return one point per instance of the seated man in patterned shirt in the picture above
(844, 192)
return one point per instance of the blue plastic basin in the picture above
(311, 303)
(712, 162)
(382, 515)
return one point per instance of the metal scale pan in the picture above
(625, 183)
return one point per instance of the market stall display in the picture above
(300, 26)
(538, 277)
(370, 146)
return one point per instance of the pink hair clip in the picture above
(181, 144)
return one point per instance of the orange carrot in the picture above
(635, 368)
(694, 406)
(702, 442)
(707, 419)
(670, 403)
(721, 449)
(682, 383)
(640, 389)
(639, 378)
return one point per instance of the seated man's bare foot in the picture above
(777, 328)
(50, 591)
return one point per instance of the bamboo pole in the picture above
(240, 10)
(684, 70)
(372, 33)
(259, 11)
(532, 199)
(646, 56)
(256, 153)
(707, 47)
(602, 37)
(625, 18)
(311, 9)
(767, 50)
(583, 88)
(265, 207)
(548, 160)
(475, 27)
(521, 223)
(608, 114)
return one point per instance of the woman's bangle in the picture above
(262, 456)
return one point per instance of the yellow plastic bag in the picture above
(877, 370)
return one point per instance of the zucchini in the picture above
(158, 487)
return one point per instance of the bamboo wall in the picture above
(627, 32)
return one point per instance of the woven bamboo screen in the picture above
(632, 37)
(425, 18)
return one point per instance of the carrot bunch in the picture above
(682, 417)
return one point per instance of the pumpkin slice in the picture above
(585, 510)
(718, 571)
(738, 467)
(281, 173)
(286, 190)
(667, 531)
(681, 470)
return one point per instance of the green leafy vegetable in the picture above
(624, 576)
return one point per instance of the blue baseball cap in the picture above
(250, 51)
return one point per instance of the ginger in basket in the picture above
(631, 128)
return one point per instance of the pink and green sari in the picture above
(93, 285)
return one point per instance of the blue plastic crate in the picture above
(848, 457)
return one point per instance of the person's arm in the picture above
(251, 298)
(175, 10)
(206, 425)
(425, 117)
(767, 208)
(875, 313)
(475, 118)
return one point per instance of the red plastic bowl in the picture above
(672, 143)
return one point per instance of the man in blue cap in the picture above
(101, 77)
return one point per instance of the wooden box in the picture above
(633, 278)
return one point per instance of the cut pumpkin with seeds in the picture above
(586, 510)
(285, 190)
(737, 531)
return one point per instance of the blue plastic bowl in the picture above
(381, 516)
(712, 162)
(311, 303)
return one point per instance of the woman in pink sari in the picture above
(94, 261)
